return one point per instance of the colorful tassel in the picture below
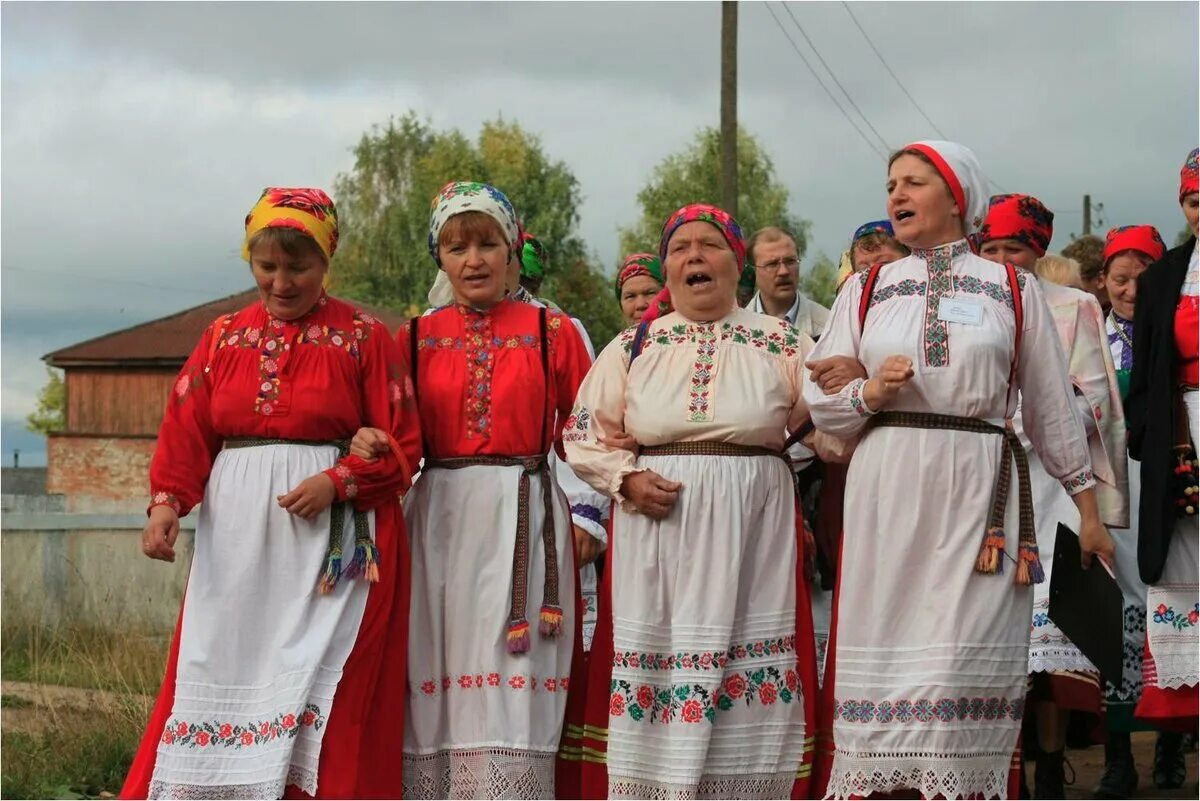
(550, 621)
(991, 551)
(1029, 565)
(518, 636)
(365, 562)
(331, 573)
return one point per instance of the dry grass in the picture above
(74, 743)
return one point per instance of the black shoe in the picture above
(1170, 771)
(1120, 779)
(1049, 776)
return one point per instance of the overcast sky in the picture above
(136, 136)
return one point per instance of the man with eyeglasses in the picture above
(772, 251)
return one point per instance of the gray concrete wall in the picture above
(58, 568)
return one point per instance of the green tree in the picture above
(819, 281)
(383, 205)
(51, 413)
(692, 176)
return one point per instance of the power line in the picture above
(820, 58)
(821, 83)
(890, 72)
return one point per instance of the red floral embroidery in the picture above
(161, 498)
(516, 682)
(768, 694)
(493, 679)
(735, 685)
(645, 696)
(487, 681)
(428, 687)
(347, 479)
(616, 706)
(693, 712)
(238, 736)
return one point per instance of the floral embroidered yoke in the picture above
(926, 699)
(727, 381)
(319, 378)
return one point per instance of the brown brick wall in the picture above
(96, 473)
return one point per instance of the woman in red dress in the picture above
(284, 672)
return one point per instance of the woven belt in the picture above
(551, 615)
(708, 448)
(1029, 564)
(366, 555)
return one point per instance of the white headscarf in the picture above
(458, 197)
(961, 171)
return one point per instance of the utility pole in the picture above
(729, 176)
(1087, 214)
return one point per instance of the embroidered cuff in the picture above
(344, 481)
(1078, 482)
(858, 400)
(162, 498)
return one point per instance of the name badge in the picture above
(960, 310)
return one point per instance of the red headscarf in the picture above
(721, 219)
(1019, 217)
(1188, 181)
(1142, 238)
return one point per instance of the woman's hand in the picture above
(313, 496)
(160, 533)
(587, 547)
(368, 443)
(834, 373)
(1094, 539)
(650, 493)
(619, 441)
(893, 374)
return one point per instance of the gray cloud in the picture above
(136, 135)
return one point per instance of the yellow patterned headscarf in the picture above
(845, 269)
(308, 210)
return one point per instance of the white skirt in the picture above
(1049, 648)
(931, 656)
(260, 650)
(481, 722)
(705, 698)
(1173, 614)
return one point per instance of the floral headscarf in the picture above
(636, 264)
(703, 212)
(458, 197)
(961, 171)
(724, 222)
(1189, 181)
(1142, 238)
(1019, 217)
(307, 210)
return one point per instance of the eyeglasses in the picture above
(787, 264)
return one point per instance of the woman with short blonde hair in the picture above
(1059, 270)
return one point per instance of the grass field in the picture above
(75, 704)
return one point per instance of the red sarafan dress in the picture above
(272, 686)
(491, 554)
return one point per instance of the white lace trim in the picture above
(1055, 659)
(302, 778)
(1173, 671)
(479, 773)
(752, 786)
(933, 775)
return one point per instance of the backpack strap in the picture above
(545, 350)
(864, 303)
(1014, 287)
(413, 347)
(639, 341)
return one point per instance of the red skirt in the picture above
(362, 750)
(1168, 709)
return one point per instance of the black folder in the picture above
(1087, 605)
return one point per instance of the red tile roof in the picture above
(168, 341)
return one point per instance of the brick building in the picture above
(117, 386)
